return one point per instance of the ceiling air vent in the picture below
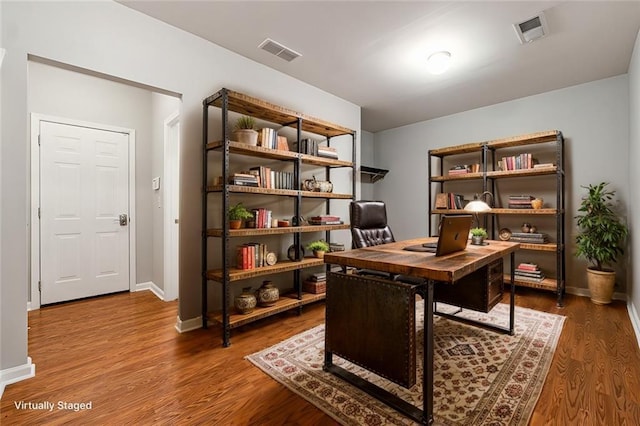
(532, 29)
(279, 50)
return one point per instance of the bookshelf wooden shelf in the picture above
(248, 232)
(226, 154)
(488, 155)
(286, 302)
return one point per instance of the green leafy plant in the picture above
(318, 245)
(239, 212)
(479, 232)
(245, 122)
(602, 232)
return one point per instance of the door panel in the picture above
(84, 188)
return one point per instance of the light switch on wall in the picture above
(155, 183)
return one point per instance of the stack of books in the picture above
(530, 237)
(336, 247)
(520, 201)
(528, 272)
(316, 283)
(327, 151)
(325, 220)
(244, 179)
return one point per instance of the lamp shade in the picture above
(477, 206)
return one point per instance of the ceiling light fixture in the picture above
(438, 62)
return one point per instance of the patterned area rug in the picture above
(481, 377)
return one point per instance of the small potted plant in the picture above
(478, 235)
(244, 130)
(237, 214)
(600, 239)
(319, 248)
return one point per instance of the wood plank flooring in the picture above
(122, 354)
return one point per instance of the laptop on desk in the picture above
(453, 236)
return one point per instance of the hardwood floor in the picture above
(122, 355)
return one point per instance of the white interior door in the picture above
(84, 190)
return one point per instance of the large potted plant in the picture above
(244, 130)
(600, 240)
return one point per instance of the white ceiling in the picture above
(372, 53)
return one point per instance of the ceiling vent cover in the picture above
(532, 29)
(279, 50)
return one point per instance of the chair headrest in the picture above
(368, 214)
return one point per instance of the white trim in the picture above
(150, 285)
(188, 325)
(16, 374)
(635, 320)
(584, 292)
(34, 228)
(171, 191)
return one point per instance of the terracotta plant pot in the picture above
(601, 285)
(235, 224)
(319, 254)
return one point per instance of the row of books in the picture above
(461, 169)
(520, 162)
(528, 272)
(268, 138)
(530, 237)
(262, 217)
(272, 179)
(325, 220)
(251, 255)
(449, 200)
(520, 201)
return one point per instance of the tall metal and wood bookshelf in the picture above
(488, 176)
(227, 274)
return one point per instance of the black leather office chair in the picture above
(369, 224)
(369, 228)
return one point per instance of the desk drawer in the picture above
(478, 291)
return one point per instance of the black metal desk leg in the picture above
(512, 304)
(427, 366)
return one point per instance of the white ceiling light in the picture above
(438, 62)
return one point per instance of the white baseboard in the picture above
(188, 325)
(579, 291)
(16, 374)
(635, 320)
(150, 285)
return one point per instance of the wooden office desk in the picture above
(393, 259)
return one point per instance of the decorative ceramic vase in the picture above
(526, 227)
(246, 301)
(537, 203)
(267, 294)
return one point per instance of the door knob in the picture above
(123, 219)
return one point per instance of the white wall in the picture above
(593, 118)
(162, 106)
(367, 159)
(109, 38)
(68, 94)
(634, 189)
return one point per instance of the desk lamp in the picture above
(478, 205)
